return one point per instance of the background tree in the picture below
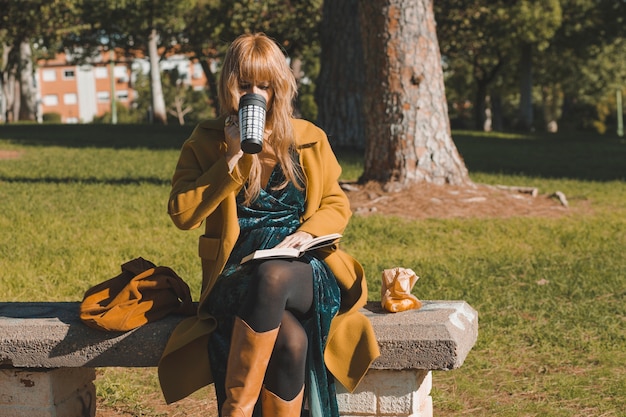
(407, 125)
(482, 44)
(21, 24)
(212, 24)
(584, 65)
(489, 37)
(340, 84)
(147, 27)
(474, 58)
(534, 23)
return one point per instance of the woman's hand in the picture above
(295, 240)
(233, 142)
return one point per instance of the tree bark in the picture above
(28, 92)
(158, 102)
(407, 125)
(4, 83)
(339, 87)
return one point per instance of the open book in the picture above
(286, 253)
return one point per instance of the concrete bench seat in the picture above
(48, 357)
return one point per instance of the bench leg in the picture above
(67, 392)
(389, 393)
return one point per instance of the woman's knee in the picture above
(270, 278)
(291, 346)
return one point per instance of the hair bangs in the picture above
(256, 66)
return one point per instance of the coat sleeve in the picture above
(202, 179)
(328, 207)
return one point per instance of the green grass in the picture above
(550, 292)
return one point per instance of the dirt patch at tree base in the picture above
(422, 201)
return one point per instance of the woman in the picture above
(272, 327)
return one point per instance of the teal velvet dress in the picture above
(264, 224)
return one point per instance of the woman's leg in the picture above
(278, 285)
(286, 370)
(282, 292)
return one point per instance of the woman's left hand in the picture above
(295, 240)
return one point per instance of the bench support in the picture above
(70, 392)
(67, 392)
(389, 393)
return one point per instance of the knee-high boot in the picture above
(274, 406)
(248, 358)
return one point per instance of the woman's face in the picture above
(263, 88)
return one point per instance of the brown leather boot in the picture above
(247, 362)
(274, 406)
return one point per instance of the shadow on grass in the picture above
(580, 157)
(88, 180)
(97, 136)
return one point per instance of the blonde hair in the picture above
(255, 58)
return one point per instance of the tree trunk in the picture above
(496, 112)
(10, 84)
(480, 106)
(211, 81)
(158, 102)
(339, 87)
(28, 91)
(407, 125)
(552, 103)
(4, 83)
(526, 86)
(14, 111)
(296, 69)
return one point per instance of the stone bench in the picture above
(48, 357)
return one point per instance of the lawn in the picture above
(78, 201)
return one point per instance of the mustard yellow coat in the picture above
(203, 190)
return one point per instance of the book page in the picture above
(286, 253)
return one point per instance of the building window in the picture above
(102, 96)
(50, 100)
(68, 74)
(101, 72)
(197, 71)
(70, 98)
(121, 74)
(48, 75)
(122, 95)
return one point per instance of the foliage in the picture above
(124, 115)
(195, 105)
(42, 21)
(212, 25)
(479, 41)
(51, 117)
(578, 56)
(21, 23)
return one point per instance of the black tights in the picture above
(279, 293)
